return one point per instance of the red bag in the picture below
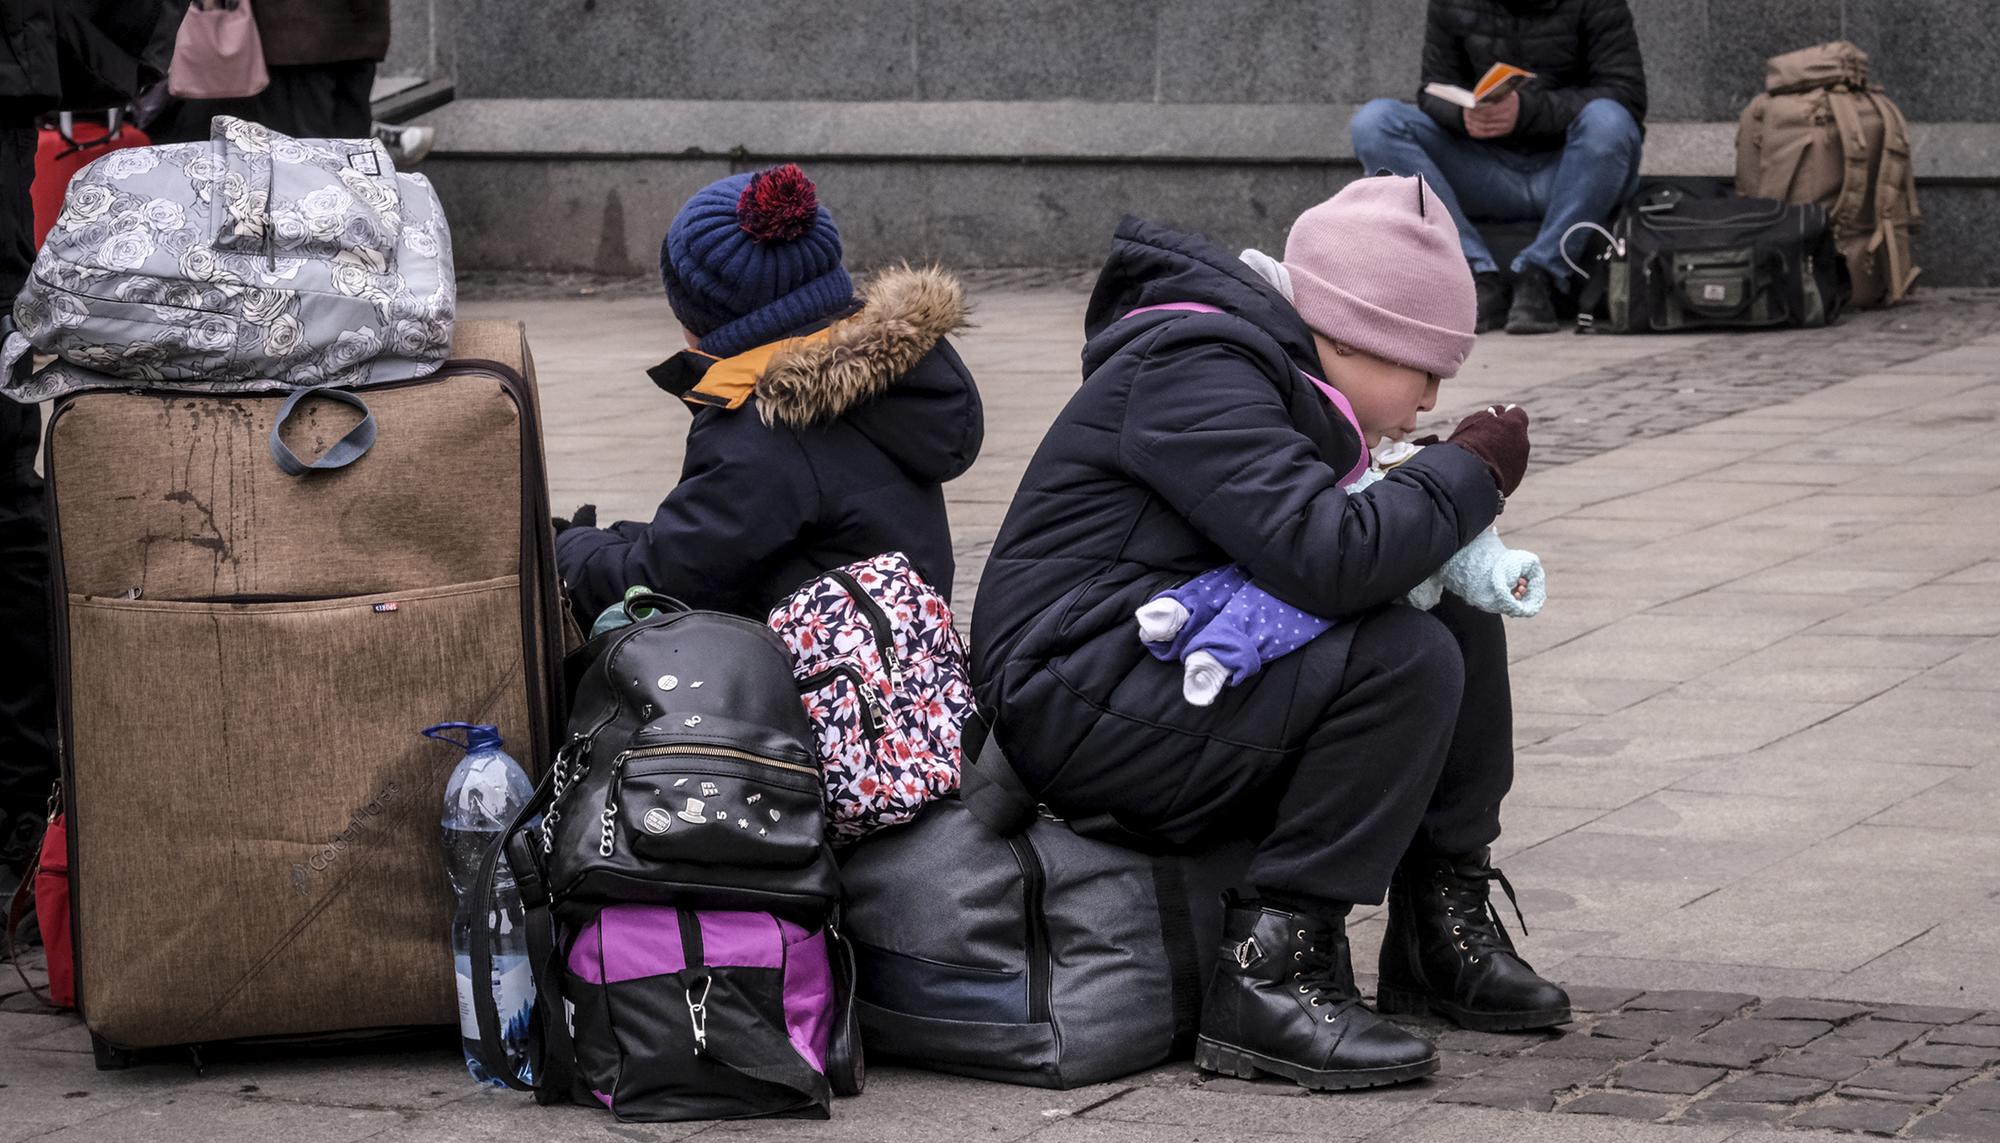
(48, 880)
(66, 148)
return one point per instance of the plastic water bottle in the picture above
(487, 788)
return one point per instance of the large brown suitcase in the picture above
(245, 661)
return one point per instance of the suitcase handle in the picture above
(344, 452)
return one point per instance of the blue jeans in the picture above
(1596, 168)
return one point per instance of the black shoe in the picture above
(1445, 951)
(1492, 289)
(1283, 1002)
(1534, 307)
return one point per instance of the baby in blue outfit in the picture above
(1223, 628)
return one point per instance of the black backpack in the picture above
(689, 783)
(1677, 260)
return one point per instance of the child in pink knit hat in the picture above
(1223, 417)
(1391, 308)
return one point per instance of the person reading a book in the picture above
(1531, 110)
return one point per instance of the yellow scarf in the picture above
(730, 380)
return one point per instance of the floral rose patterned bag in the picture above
(251, 262)
(884, 680)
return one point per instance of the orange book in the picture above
(1499, 79)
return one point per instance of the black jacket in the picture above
(1579, 50)
(840, 454)
(1194, 442)
(81, 54)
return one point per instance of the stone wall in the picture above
(1012, 132)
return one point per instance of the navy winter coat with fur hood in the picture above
(839, 454)
(1194, 442)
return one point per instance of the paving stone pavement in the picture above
(1754, 730)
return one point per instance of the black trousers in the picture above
(1338, 757)
(27, 758)
(305, 101)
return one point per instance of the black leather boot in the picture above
(1534, 306)
(1445, 951)
(1283, 1002)
(1491, 290)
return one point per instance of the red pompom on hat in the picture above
(779, 205)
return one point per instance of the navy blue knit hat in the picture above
(751, 258)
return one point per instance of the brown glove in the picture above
(1498, 436)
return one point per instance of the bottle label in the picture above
(513, 997)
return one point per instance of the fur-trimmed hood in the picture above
(888, 372)
(904, 313)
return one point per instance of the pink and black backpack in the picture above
(884, 680)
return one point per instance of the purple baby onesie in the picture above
(1254, 628)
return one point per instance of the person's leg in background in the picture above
(1444, 949)
(1474, 179)
(1598, 169)
(27, 757)
(305, 101)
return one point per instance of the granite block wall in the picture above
(1704, 57)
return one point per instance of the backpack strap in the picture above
(492, 1055)
(1181, 943)
(555, 1066)
(989, 787)
(1847, 208)
(1895, 198)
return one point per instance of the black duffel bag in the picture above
(1676, 260)
(993, 940)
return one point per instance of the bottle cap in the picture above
(476, 735)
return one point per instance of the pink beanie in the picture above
(1378, 267)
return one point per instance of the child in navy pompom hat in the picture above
(751, 258)
(826, 417)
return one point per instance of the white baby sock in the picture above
(1161, 619)
(1204, 679)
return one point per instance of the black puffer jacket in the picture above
(1194, 442)
(1579, 50)
(839, 454)
(81, 54)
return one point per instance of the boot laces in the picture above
(1468, 904)
(1324, 978)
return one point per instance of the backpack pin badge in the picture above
(657, 820)
(710, 789)
(695, 813)
(692, 720)
(668, 682)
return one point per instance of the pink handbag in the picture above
(218, 54)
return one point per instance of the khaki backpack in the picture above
(1821, 133)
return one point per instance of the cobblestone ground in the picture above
(1754, 733)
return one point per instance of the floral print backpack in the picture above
(883, 675)
(247, 263)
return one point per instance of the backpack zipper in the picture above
(608, 838)
(618, 764)
(878, 623)
(874, 720)
(692, 957)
